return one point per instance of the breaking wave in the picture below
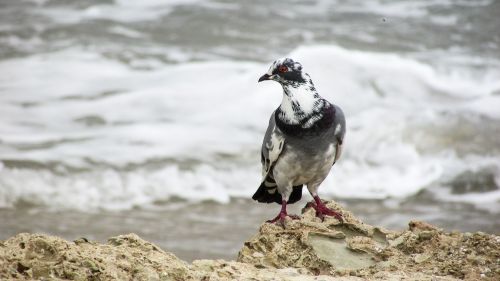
(112, 137)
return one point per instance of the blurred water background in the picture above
(146, 116)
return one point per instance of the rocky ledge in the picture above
(305, 249)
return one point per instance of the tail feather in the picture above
(296, 194)
(269, 194)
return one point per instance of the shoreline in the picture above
(209, 230)
(305, 249)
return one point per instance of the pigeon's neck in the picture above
(301, 104)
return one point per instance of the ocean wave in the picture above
(120, 10)
(411, 126)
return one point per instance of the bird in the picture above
(302, 142)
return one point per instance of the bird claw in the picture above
(322, 211)
(329, 212)
(280, 218)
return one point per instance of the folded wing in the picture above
(272, 147)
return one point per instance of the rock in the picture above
(307, 249)
(480, 181)
(358, 249)
(27, 256)
(420, 258)
(224, 270)
(339, 254)
(418, 226)
(398, 241)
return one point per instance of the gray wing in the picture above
(339, 131)
(272, 146)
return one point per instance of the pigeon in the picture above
(302, 142)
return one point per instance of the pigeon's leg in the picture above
(282, 215)
(285, 189)
(321, 209)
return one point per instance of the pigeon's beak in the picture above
(265, 77)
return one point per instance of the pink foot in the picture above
(282, 215)
(322, 210)
(281, 218)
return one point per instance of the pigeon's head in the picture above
(285, 71)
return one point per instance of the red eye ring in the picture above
(283, 69)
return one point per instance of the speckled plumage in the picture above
(303, 140)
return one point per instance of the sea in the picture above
(121, 116)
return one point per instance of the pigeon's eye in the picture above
(283, 69)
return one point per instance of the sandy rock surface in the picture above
(305, 249)
(357, 249)
(42, 257)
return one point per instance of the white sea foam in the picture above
(120, 10)
(406, 9)
(78, 130)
